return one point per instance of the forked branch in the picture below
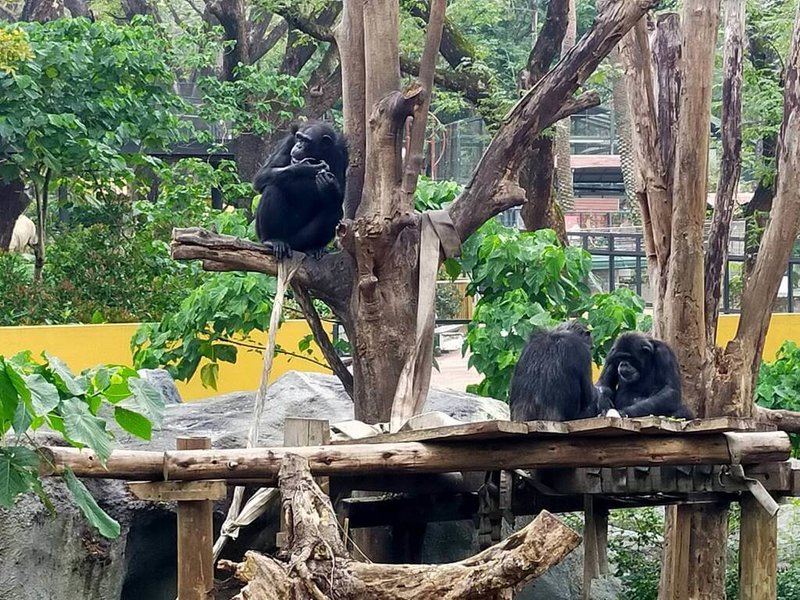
(537, 110)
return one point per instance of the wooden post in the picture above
(758, 552)
(298, 433)
(195, 539)
(591, 569)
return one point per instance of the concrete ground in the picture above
(453, 373)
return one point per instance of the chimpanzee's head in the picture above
(313, 140)
(576, 328)
(634, 354)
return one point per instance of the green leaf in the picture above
(65, 380)
(22, 418)
(83, 427)
(96, 516)
(17, 472)
(44, 395)
(8, 397)
(133, 422)
(149, 399)
(208, 375)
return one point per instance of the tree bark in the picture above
(731, 166)
(683, 308)
(624, 134)
(320, 567)
(652, 182)
(536, 176)
(563, 150)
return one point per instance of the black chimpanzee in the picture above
(302, 190)
(553, 378)
(640, 377)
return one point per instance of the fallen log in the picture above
(417, 457)
(319, 567)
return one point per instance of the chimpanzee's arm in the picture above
(607, 383)
(666, 402)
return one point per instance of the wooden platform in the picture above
(598, 426)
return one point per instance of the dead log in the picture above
(318, 566)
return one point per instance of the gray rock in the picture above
(164, 383)
(71, 561)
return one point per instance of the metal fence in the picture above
(619, 260)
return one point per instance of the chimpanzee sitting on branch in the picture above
(302, 191)
(640, 377)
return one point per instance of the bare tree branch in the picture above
(329, 278)
(493, 186)
(548, 43)
(321, 336)
(414, 156)
(311, 27)
(577, 104)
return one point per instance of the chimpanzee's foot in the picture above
(316, 254)
(280, 250)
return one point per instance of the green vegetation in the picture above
(526, 280)
(36, 394)
(779, 384)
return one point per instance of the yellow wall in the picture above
(83, 346)
(782, 327)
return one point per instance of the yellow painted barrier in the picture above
(84, 346)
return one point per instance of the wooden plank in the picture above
(664, 425)
(758, 552)
(449, 433)
(174, 491)
(195, 539)
(603, 426)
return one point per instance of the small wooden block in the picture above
(179, 491)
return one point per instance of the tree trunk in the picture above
(624, 135)
(730, 169)
(13, 202)
(563, 150)
(540, 210)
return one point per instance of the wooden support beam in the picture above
(195, 539)
(591, 563)
(758, 552)
(179, 491)
(414, 457)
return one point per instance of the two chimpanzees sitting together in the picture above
(302, 190)
(553, 378)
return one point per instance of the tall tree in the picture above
(374, 281)
(671, 111)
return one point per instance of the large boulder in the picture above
(70, 560)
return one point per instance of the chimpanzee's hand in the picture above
(605, 399)
(310, 166)
(326, 181)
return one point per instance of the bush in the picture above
(778, 385)
(526, 280)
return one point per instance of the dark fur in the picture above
(553, 378)
(302, 190)
(641, 377)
